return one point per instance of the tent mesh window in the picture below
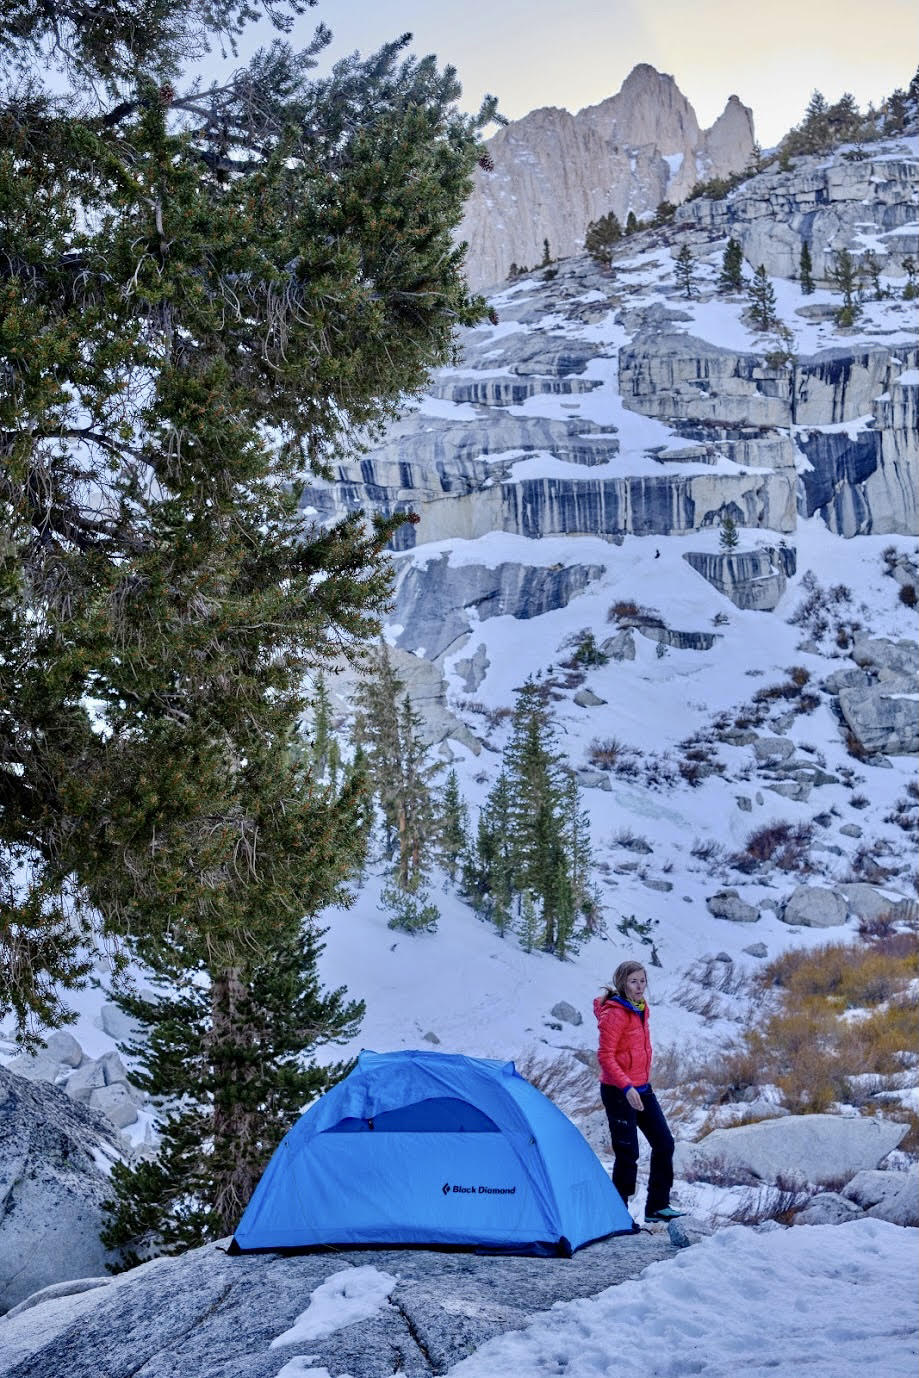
(437, 1115)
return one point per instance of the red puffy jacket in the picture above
(625, 1043)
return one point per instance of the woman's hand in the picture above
(634, 1099)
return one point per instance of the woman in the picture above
(625, 1089)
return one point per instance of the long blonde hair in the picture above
(622, 973)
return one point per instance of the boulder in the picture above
(586, 698)
(798, 790)
(113, 1069)
(206, 1315)
(864, 901)
(752, 579)
(567, 1013)
(86, 1079)
(883, 718)
(620, 647)
(117, 1024)
(727, 904)
(116, 1103)
(773, 749)
(680, 641)
(803, 1148)
(813, 906)
(593, 779)
(758, 950)
(40, 1066)
(64, 1048)
(827, 1208)
(51, 1187)
(896, 657)
(892, 1196)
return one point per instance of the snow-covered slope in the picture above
(568, 338)
(580, 448)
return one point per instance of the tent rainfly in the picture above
(433, 1150)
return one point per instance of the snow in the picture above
(349, 1296)
(828, 1301)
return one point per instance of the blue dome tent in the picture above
(433, 1150)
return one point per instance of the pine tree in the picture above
(871, 268)
(317, 747)
(377, 733)
(685, 271)
(910, 289)
(205, 1041)
(805, 269)
(452, 828)
(601, 238)
(896, 111)
(755, 163)
(844, 120)
(728, 536)
(731, 276)
(202, 294)
(412, 796)
(531, 864)
(546, 255)
(401, 774)
(488, 869)
(631, 223)
(845, 277)
(815, 128)
(528, 926)
(762, 300)
(409, 907)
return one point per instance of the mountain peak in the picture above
(555, 172)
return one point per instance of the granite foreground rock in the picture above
(51, 1185)
(205, 1315)
(809, 1148)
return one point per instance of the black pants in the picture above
(624, 1124)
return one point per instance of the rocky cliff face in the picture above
(821, 201)
(555, 172)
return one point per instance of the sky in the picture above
(532, 53)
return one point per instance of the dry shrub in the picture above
(910, 1141)
(850, 977)
(809, 1047)
(606, 752)
(624, 608)
(785, 845)
(567, 1081)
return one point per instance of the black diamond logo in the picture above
(446, 1188)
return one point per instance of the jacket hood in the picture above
(601, 1000)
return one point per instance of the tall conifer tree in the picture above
(762, 300)
(203, 294)
(685, 271)
(731, 276)
(806, 269)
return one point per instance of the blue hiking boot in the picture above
(665, 1213)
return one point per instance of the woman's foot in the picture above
(665, 1213)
